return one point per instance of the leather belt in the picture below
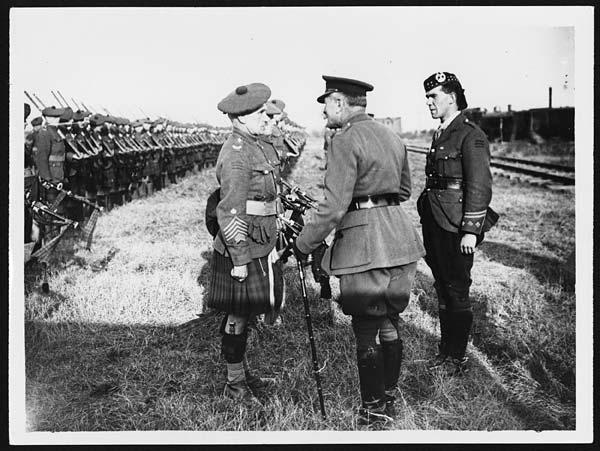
(443, 183)
(261, 208)
(374, 201)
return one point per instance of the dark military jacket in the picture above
(30, 138)
(49, 154)
(365, 158)
(461, 152)
(247, 170)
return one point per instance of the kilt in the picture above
(261, 292)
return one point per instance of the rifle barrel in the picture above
(38, 99)
(62, 97)
(57, 99)
(33, 101)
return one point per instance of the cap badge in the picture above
(440, 77)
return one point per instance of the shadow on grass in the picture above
(103, 377)
(205, 273)
(545, 269)
(504, 352)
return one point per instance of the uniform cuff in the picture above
(472, 223)
(240, 260)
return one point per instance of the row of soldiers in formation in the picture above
(110, 160)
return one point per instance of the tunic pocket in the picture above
(451, 202)
(261, 182)
(449, 163)
(57, 170)
(351, 247)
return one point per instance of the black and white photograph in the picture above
(288, 225)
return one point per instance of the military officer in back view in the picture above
(376, 247)
(454, 213)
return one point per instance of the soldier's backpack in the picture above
(210, 215)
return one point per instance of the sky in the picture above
(180, 62)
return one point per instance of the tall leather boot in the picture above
(372, 386)
(459, 329)
(442, 354)
(392, 362)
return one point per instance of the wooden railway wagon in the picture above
(537, 124)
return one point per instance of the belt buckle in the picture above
(369, 203)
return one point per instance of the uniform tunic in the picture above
(365, 159)
(247, 171)
(49, 154)
(460, 155)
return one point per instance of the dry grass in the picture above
(121, 342)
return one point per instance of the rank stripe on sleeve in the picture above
(236, 230)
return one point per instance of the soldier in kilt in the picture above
(247, 278)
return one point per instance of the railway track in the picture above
(560, 174)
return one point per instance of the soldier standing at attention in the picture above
(376, 247)
(49, 151)
(30, 137)
(453, 210)
(247, 278)
(49, 147)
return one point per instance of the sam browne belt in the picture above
(443, 183)
(374, 201)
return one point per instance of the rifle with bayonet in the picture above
(88, 228)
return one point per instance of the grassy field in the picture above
(122, 342)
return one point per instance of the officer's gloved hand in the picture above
(300, 256)
(319, 274)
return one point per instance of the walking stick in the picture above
(311, 338)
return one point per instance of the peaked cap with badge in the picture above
(37, 121)
(347, 86)
(245, 99)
